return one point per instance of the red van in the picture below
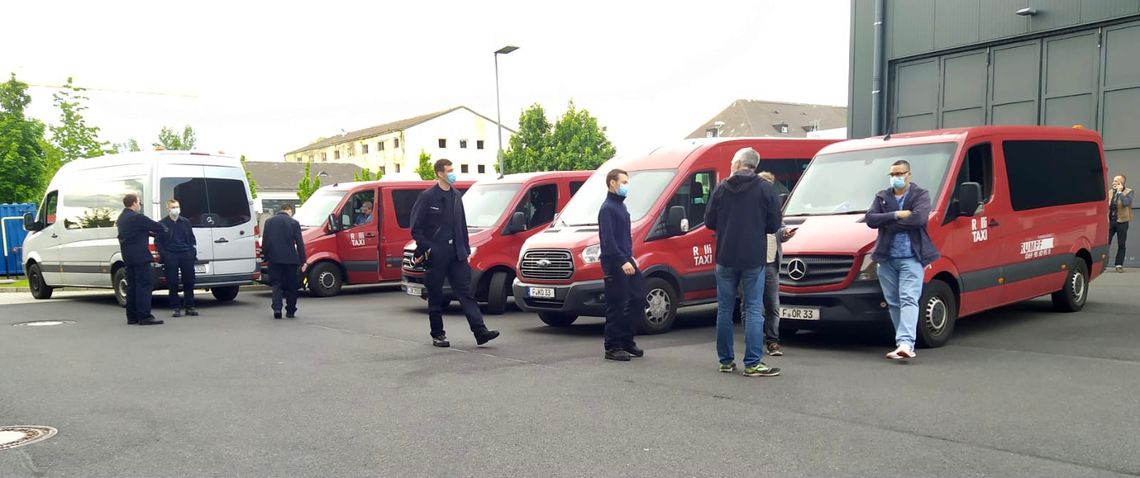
(1017, 212)
(348, 244)
(559, 274)
(502, 214)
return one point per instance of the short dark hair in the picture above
(130, 200)
(614, 175)
(441, 165)
(902, 162)
(286, 207)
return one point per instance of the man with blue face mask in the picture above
(902, 252)
(624, 284)
(439, 227)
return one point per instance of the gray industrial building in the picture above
(927, 64)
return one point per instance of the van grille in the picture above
(409, 264)
(547, 264)
(814, 270)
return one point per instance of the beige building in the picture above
(754, 118)
(467, 138)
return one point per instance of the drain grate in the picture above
(43, 323)
(20, 435)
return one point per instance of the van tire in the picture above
(557, 319)
(1075, 292)
(497, 290)
(119, 283)
(225, 294)
(937, 314)
(325, 280)
(660, 308)
(40, 290)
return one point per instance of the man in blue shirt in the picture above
(364, 216)
(624, 284)
(178, 250)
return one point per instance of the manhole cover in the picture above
(43, 323)
(17, 436)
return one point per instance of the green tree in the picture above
(365, 174)
(130, 145)
(574, 142)
(22, 156)
(249, 179)
(426, 169)
(309, 184)
(72, 136)
(172, 141)
(530, 143)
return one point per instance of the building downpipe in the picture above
(878, 106)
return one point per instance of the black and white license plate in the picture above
(541, 292)
(200, 268)
(416, 291)
(799, 313)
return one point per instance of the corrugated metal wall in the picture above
(12, 230)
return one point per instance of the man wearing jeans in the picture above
(902, 252)
(743, 210)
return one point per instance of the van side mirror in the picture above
(334, 223)
(673, 221)
(517, 223)
(969, 198)
(30, 223)
(783, 199)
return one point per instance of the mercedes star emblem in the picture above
(797, 269)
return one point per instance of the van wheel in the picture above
(660, 308)
(937, 313)
(119, 280)
(40, 289)
(497, 291)
(225, 294)
(324, 280)
(1075, 292)
(555, 319)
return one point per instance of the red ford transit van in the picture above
(560, 277)
(1017, 212)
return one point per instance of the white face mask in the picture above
(174, 212)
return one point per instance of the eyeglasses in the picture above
(898, 175)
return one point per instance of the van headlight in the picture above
(868, 270)
(592, 254)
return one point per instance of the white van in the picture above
(73, 241)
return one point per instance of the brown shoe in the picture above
(774, 349)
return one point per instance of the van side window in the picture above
(355, 213)
(575, 186)
(693, 195)
(787, 172)
(1053, 173)
(540, 205)
(96, 203)
(403, 200)
(208, 202)
(47, 213)
(977, 168)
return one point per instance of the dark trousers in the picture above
(285, 282)
(180, 263)
(140, 284)
(1120, 230)
(625, 302)
(445, 265)
(771, 303)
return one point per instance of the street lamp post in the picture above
(498, 107)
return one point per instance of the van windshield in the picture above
(846, 183)
(208, 202)
(484, 204)
(645, 188)
(316, 210)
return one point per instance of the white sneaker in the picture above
(1119, 268)
(906, 352)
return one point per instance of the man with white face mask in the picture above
(178, 251)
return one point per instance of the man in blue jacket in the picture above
(283, 248)
(743, 210)
(178, 250)
(135, 231)
(902, 252)
(624, 284)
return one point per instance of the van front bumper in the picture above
(415, 283)
(580, 298)
(861, 302)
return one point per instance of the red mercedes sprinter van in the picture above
(559, 274)
(1017, 212)
(501, 214)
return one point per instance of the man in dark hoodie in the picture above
(902, 252)
(624, 284)
(178, 251)
(743, 210)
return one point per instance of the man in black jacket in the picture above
(624, 284)
(135, 231)
(439, 227)
(284, 251)
(178, 251)
(743, 210)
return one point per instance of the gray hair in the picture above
(748, 157)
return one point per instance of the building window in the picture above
(364, 148)
(397, 167)
(380, 146)
(442, 143)
(351, 150)
(324, 156)
(397, 143)
(310, 158)
(463, 168)
(462, 144)
(479, 144)
(482, 169)
(336, 154)
(381, 169)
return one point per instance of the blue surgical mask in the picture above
(451, 178)
(898, 182)
(623, 190)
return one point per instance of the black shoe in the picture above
(634, 350)
(177, 313)
(617, 354)
(440, 341)
(290, 315)
(192, 312)
(277, 315)
(486, 336)
(132, 321)
(150, 321)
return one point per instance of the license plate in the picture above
(542, 292)
(199, 268)
(799, 313)
(416, 291)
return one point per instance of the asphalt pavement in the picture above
(352, 387)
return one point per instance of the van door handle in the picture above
(54, 236)
(991, 222)
(221, 241)
(369, 234)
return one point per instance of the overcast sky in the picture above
(264, 78)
